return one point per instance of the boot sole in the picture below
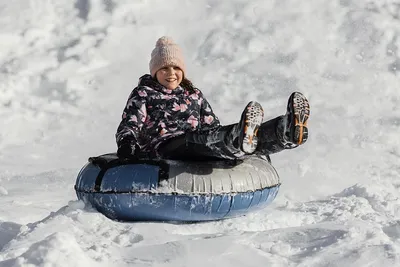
(300, 110)
(253, 116)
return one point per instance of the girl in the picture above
(167, 117)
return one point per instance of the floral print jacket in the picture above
(154, 114)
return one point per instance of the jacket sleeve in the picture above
(133, 116)
(208, 120)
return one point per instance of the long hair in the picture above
(188, 85)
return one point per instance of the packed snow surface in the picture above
(67, 68)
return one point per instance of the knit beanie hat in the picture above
(166, 53)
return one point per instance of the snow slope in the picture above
(67, 68)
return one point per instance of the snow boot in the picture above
(293, 129)
(248, 126)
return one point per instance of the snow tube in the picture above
(167, 190)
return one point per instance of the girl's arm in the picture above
(133, 117)
(208, 119)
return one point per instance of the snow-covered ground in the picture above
(67, 68)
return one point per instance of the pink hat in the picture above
(166, 53)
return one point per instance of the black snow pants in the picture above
(219, 144)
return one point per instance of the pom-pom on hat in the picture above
(166, 53)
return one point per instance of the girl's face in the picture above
(170, 77)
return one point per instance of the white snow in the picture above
(67, 68)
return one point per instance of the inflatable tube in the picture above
(166, 190)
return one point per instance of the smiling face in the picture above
(170, 77)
